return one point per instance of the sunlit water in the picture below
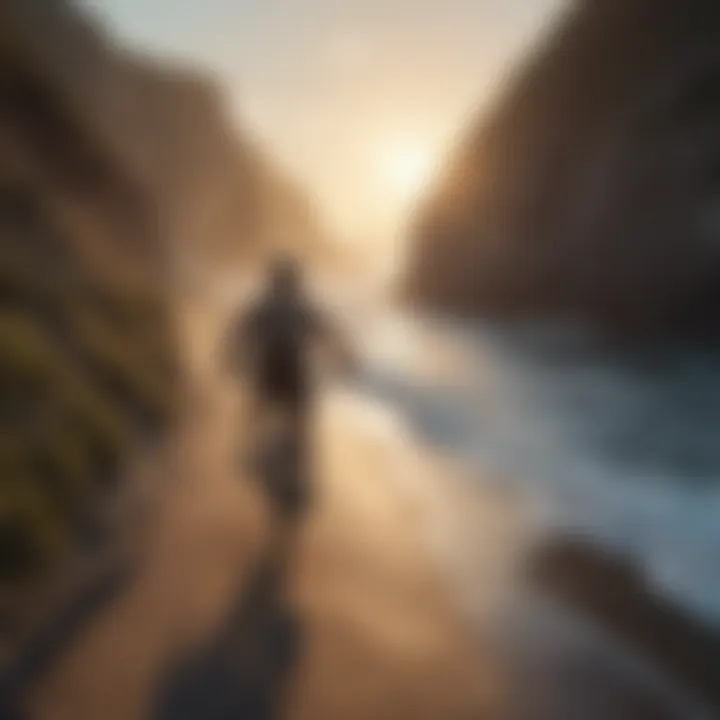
(624, 451)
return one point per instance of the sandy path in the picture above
(380, 637)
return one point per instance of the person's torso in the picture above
(283, 339)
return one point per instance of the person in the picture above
(273, 343)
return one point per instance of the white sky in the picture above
(354, 97)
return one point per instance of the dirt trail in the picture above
(380, 639)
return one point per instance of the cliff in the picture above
(86, 343)
(170, 126)
(120, 178)
(591, 191)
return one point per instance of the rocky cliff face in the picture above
(217, 195)
(592, 190)
(116, 175)
(87, 357)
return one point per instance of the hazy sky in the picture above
(355, 97)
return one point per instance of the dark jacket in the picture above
(275, 339)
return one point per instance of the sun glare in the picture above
(408, 170)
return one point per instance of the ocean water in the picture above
(621, 449)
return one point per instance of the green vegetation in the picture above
(87, 358)
(80, 382)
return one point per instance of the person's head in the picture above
(285, 275)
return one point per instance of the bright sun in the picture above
(408, 170)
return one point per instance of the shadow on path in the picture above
(241, 673)
(54, 637)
